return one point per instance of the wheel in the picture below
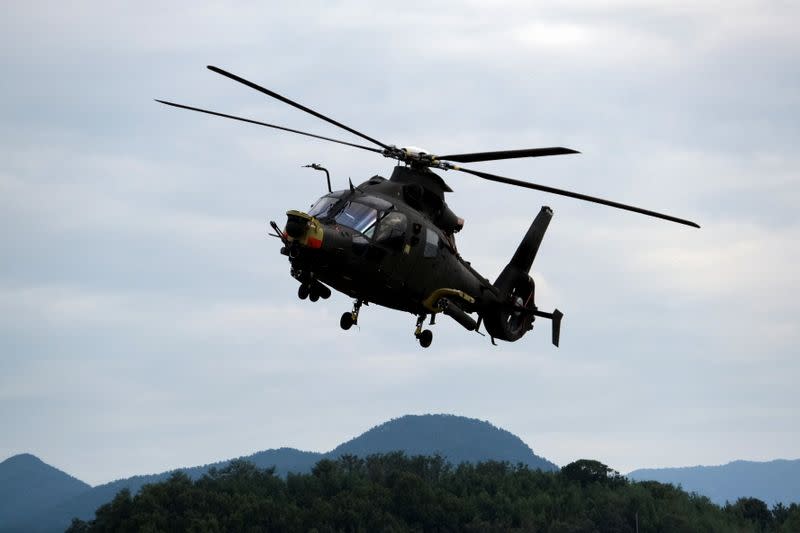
(425, 338)
(302, 291)
(324, 292)
(346, 321)
(313, 294)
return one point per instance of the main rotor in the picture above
(422, 159)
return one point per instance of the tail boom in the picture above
(515, 311)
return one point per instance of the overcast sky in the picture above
(148, 322)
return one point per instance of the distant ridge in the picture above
(24, 479)
(457, 438)
(772, 481)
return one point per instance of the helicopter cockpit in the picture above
(359, 217)
(360, 214)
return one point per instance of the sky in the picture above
(148, 322)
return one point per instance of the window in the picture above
(392, 225)
(431, 243)
(323, 205)
(359, 217)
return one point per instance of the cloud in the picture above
(144, 310)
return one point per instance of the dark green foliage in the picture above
(586, 471)
(787, 519)
(456, 438)
(752, 510)
(394, 492)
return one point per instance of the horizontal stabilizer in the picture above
(556, 317)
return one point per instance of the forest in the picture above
(395, 492)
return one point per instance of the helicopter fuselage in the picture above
(368, 243)
(387, 242)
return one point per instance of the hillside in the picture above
(772, 482)
(25, 479)
(83, 505)
(37, 497)
(394, 492)
(456, 438)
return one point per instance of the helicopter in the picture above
(391, 241)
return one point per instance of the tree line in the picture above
(394, 492)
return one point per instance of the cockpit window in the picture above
(431, 243)
(322, 206)
(359, 217)
(392, 225)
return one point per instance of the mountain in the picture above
(27, 484)
(37, 497)
(458, 439)
(772, 482)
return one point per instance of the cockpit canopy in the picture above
(321, 207)
(360, 213)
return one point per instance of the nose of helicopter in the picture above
(308, 238)
(303, 229)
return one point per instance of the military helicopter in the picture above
(391, 242)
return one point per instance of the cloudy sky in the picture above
(147, 321)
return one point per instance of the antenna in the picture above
(315, 166)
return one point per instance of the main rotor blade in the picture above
(579, 196)
(301, 107)
(251, 121)
(507, 154)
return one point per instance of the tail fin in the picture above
(515, 312)
(521, 262)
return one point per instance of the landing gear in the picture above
(425, 337)
(349, 319)
(313, 290)
(318, 290)
(346, 321)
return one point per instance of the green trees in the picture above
(586, 471)
(754, 511)
(394, 492)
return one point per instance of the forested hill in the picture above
(455, 438)
(773, 481)
(394, 492)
